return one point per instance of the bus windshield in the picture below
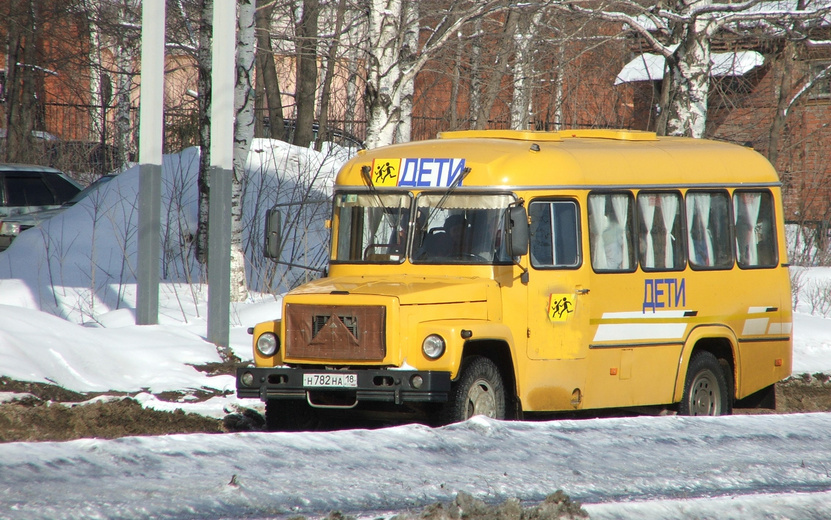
(432, 229)
(460, 228)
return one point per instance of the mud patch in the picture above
(805, 393)
(44, 412)
(33, 420)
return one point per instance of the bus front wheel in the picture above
(479, 391)
(705, 390)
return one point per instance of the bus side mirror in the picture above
(271, 247)
(518, 237)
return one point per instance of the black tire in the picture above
(479, 391)
(706, 390)
(290, 416)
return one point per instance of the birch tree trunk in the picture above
(382, 100)
(690, 81)
(523, 70)
(244, 94)
(125, 68)
(203, 82)
(404, 127)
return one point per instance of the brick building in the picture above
(570, 88)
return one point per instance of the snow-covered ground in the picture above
(66, 317)
(649, 467)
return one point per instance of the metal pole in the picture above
(223, 59)
(151, 116)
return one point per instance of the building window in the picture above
(822, 84)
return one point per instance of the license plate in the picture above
(331, 380)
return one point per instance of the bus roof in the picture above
(566, 158)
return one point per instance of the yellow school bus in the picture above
(511, 273)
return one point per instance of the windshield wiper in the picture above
(450, 189)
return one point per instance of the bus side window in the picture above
(755, 237)
(661, 231)
(709, 230)
(610, 232)
(555, 236)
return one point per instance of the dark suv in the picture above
(25, 188)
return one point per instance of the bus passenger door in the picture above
(558, 306)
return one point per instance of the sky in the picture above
(66, 317)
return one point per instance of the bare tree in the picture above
(392, 65)
(266, 71)
(307, 31)
(682, 33)
(331, 59)
(118, 25)
(22, 70)
(493, 84)
(529, 26)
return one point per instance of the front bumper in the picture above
(390, 386)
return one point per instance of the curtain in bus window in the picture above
(754, 224)
(701, 243)
(710, 229)
(609, 234)
(647, 205)
(746, 208)
(669, 211)
(620, 203)
(597, 221)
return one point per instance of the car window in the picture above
(62, 188)
(26, 190)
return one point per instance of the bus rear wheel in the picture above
(479, 391)
(705, 390)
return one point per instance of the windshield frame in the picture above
(343, 251)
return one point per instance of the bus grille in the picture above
(333, 332)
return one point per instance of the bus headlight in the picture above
(433, 346)
(267, 344)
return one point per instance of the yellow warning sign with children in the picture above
(560, 306)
